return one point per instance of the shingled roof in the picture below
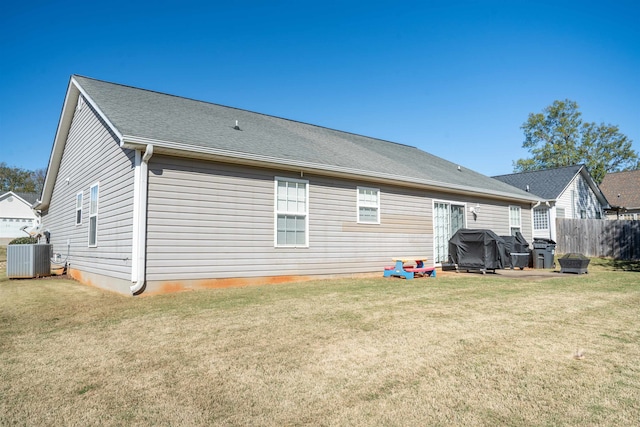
(27, 197)
(547, 184)
(622, 189)
(190, 127)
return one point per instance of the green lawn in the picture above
(461, 349)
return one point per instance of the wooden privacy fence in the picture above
(619, 239)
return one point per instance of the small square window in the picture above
(541, 219)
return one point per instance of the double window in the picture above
(368, 205)
(291, 212)
(93, 215)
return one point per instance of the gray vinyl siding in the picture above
(493, 214)
(579, 196)
(92, 155)
(210, 220)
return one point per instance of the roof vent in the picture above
(236, 127)
(527, 188)
(459, 168)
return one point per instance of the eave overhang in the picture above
(249, 159)
(62, 132)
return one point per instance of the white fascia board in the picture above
(10, 194)
(98, 110)
(595, 188)
(62, 132)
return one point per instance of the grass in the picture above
(461, 349)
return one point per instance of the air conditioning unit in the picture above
(28, 261)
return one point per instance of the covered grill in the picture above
(477, 249)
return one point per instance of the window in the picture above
(541, 219)
(514, 219)
(79, 208)
(291, 212)
(368, 205)
(93, 215)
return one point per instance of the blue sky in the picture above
(456, 79)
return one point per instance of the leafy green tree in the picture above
(558, 137)
(17, 179)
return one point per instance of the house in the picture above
(149, 192)
(568, 192)
(16, 213)
(622, 189)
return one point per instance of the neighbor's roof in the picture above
(549, 184)
(188, 127)
(31, 198)
(622, 188)
(28, 198)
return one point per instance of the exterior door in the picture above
(447, 219)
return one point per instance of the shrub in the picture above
(24, 241)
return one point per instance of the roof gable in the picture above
(175, 124)
(26, 198)
(548, 184)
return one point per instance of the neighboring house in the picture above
(152, 192)
(622, 190)
(568, 192)
(16, 213)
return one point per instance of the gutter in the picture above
(140, 192)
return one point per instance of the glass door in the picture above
(447, 219)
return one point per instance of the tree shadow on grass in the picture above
(618, 264)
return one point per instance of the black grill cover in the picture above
(515, 244)
(476, 249)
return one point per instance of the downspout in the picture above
(552, 220)
(138, 268)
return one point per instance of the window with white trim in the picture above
(291, 212)
(79, 208)
(515, 223)
(541, 218)
(93, 215)
(368, 205)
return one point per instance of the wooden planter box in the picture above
(574, 263)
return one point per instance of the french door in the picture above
(447, 219)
